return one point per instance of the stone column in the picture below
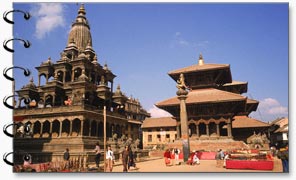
(50, 129)
(178, 131)
(81, 129)
(64, 76)
(61, 128)
(207, 128)
(71, 128)
(197, 130)
(72, 76)
(41, 129)
(229, 133)
(218, 130)
(182, 95)
(53, 100)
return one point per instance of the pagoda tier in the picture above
(206, 102)
(203, 75)
(235, 87)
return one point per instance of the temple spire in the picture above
(80, 31)
(200, 60)
(81, 10)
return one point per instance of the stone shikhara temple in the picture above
(67, 111)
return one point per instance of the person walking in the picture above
(125, 154)
(195, 159)
(167, 157)
(110, 158)
(131, 158)
(98, 154)
(283, 154)
(66, 159)
(176, 153)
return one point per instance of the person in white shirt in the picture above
(110, 159)
(195, 159)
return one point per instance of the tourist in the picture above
(195, 159)
(218, 158)
(218, 155)
(167, 157)
(176, 153)
(221, 154)
(98, 154)
(283, 154)
(110, 159)
(131, 158)
(225, 158)
(66, 159)
(125, 154)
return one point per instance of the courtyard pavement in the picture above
(157, 165)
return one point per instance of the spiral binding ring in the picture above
(26, 101)
(5, 129)
(26, 72)
(27, 44)
(5, 159)
(26, 15)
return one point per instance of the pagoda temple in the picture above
(213, 103)
(66, 111)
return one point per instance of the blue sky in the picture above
(142, 42)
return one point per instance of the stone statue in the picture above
(114, 137)
(181, 82)
(103, 80)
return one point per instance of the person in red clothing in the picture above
(167, 157)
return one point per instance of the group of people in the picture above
(172, 156)
(128, 159)
(110, 158)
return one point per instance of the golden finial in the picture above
(81, 9)
(200, 60)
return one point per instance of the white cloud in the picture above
(272, 106)
(180, 41)
(156, 112)
(49, 16)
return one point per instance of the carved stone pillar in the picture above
(178, 131)
(64, 76)
(41, 129)
(72, 76)
(229, 133)
(182, 96)
(218, 130)
(61, 128)
(207, 128)
(71, 128)
(50, 128)
(81, 130)
(197, 130)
